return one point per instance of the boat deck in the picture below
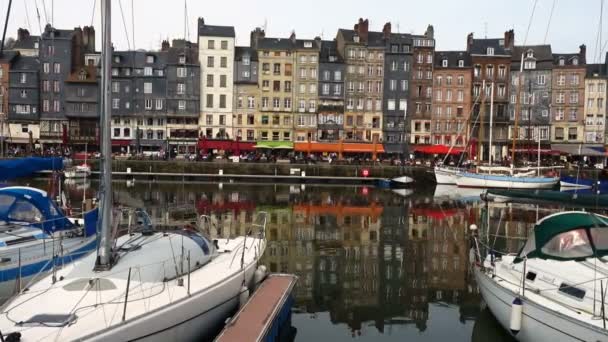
(257, 318)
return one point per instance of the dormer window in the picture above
(149, 59)
(308, 45)
(82, 76)
(490, 51)
(36, 45)
(246, 60)
(460, 63)
(574, 61)
(444, 63)
(530, 54)
(356, 39)
(562, 61)
(116, 59)
(530, 64)
(182, 59)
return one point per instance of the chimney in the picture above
(22, 34)
(255, 37)
(430, 32)
(362, 30)
(292, 37)
(386, 31)
(509, 39)
(77, 49)
(318, 42)
(582, 54)
(164, 46)
(469, 41)
(201, 22)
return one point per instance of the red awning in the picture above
(437, 149)
(225, 145)
(121, 143)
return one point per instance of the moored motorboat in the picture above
(553, 289)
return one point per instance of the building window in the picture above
(23, 77)
(181, 72)
(572, 133)
(210, 61)
(211, 44)
(147, 71)
(115, 87)
(147, 87)
(210, 80)
(148, 104)
(23, 94)
(115, 103)
(209, 101)
(181, 88)
(222, 101)
(57, 68)
(222, 81)
(444, 63)
(56, 106)
(223, 62)
(56, 86)
(490, 51)
(159, 104)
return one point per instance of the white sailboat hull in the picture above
(191, 319)
(538, 323)
(446, 175)
(472, 180)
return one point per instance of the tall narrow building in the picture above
(330, 122)
(306, 83)
(363, 53)
(216, 56)
(452, 100)
(595, 103)
(533, 87)
(396, 91)
(421, 88)
(567, 107)
(491, 59)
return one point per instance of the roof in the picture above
(241, 51)
(596, 70)
(137, 58)
(374, 38)
(28, 43)
(57, 33)
(182, 48)
(329, 49)
(452, 57)
(480, 47)
(568, 58)
(216, 31)
(540, 53)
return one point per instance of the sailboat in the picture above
(554, 288)
(501, 177)
(145, 285)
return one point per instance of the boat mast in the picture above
(490, 154)
(517, 108)
(104, 252)
(481, 123)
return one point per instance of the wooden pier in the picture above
(264, 315)
(229, 178)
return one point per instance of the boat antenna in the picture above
(104, 252)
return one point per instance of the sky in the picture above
(574, 22)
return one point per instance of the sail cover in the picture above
(23, 167)
(568, 236)
(31, 206)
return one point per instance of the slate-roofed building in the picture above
(183, 77)
(452, 100)
(363, 53)
(306, 85)
(567, 107)
(330, 118)
(216, 59)
(596, 80)
(246, 93)
(397, 75)
(277, 60)
(534, 101)
(26, 44)
(21, 98)
(421, 87)
(139, 99)
(491, 60)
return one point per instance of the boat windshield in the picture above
(569, 245)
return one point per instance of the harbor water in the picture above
(373, 264)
